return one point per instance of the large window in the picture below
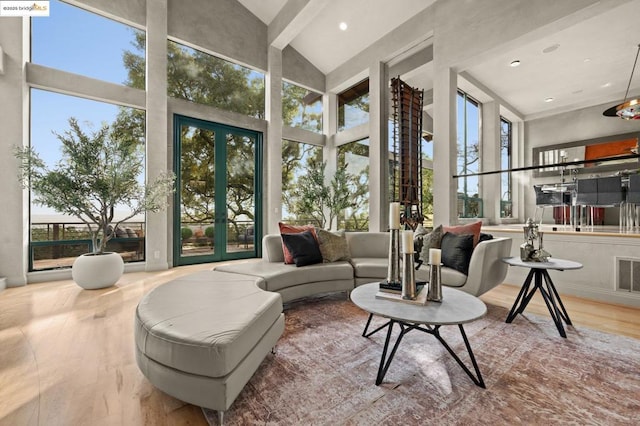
(506, 205)
(468, 158)
(354, 158)
(427, 179)
(298, 160)
(301, 107)
(56, 240)
(74, 40)
(353, 106)
(198, 77)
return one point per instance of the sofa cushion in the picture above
(368, 244)
(452, 278)
(456, 251)
(333, 245)
(292, 229)
(277, 276)
(472, 228)
(449, 276)
(431, 240)
(303, 247)
(370, 267)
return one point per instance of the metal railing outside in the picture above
(55, 245)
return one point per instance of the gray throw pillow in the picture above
(432, 240)
(333, 245)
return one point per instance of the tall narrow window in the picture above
(298, 159)
(506, 208)
(468, 126)
(202, 78)
(427, 178)
(353, 106)
(75, 40)
(301, 108)
(354, 158)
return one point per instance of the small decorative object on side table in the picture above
(528, 252)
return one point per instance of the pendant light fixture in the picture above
(628, 109)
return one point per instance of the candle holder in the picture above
(435, 283)
(408, 278)
(393, 271)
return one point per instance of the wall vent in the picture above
(628, 274)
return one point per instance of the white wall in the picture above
(13, 122)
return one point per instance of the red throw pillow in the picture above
(293, 229)
(472, 228)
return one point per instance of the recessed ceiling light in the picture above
(587, 60)
(551, 48)
(515, 63)
(343, 26)
(548, 100)
(607, 84)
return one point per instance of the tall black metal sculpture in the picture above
(406, 179)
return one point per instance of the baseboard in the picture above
(625, 298)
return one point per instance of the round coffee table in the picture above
(456, 308)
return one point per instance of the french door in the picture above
(218, 198)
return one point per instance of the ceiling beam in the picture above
(412, 62)
(472, 80)
(292, 19)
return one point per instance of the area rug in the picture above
(323, 373)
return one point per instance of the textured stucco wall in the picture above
(14, 125)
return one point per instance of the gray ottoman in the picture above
(201, 337)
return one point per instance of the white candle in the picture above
(394, 216)
(435, 256)
(407, 242)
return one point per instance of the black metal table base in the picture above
(549, 294)
(385, 360)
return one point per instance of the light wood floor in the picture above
(66, 354)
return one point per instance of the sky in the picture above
(73, 40)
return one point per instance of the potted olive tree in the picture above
(97, 175)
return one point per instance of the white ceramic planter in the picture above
(92, 271)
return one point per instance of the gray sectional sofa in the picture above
(201, 337)
(368, 263)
